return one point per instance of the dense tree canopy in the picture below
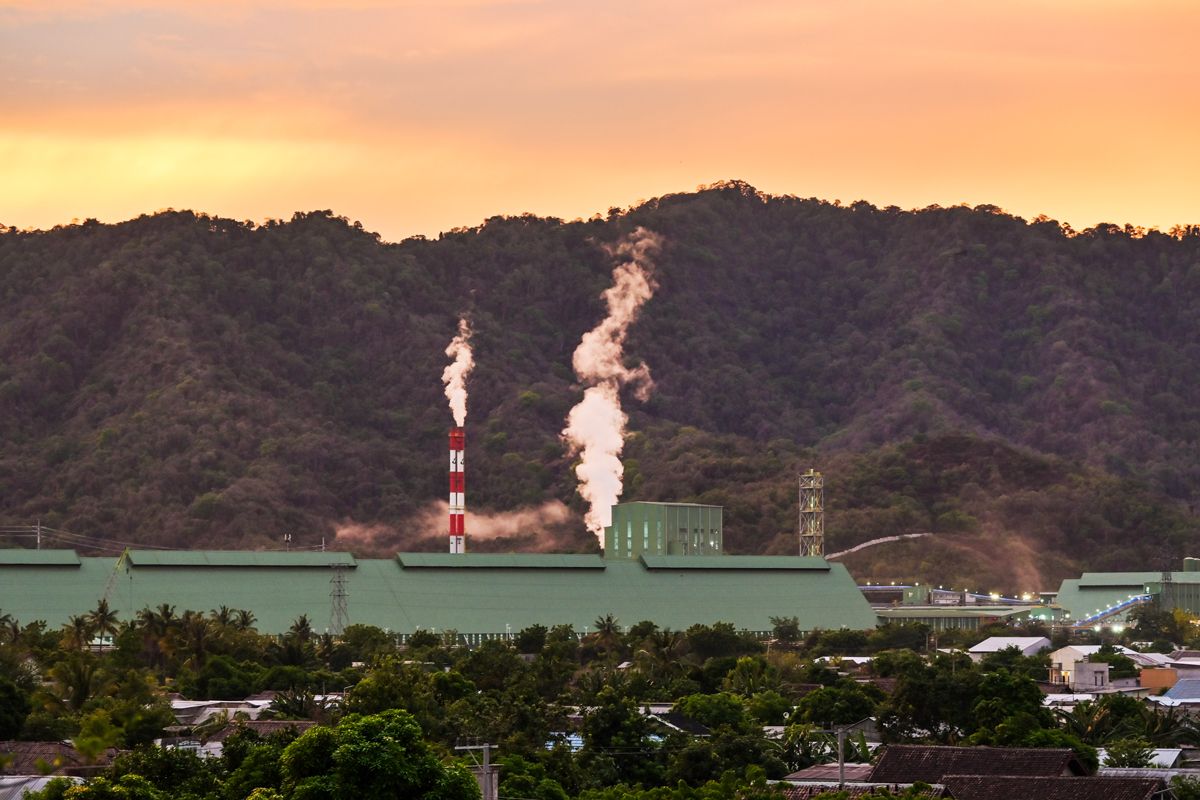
(187, 379)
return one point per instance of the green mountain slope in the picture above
(192, 381)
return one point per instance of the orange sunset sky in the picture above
(416, 117)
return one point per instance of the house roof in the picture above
(995, 644)
(1184, 689)
(851, 790)
(1092, 649)
(1160, 757)
(908, 763)
(829, 772)
(14, 787)
(263, 727)
(1042, 787)
(60, 758)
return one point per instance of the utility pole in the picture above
(485, 773)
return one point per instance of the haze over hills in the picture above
(1026, 393)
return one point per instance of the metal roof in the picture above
(907, 763)
(680, 505)
(59, 558)
(734, 562)
(994, 644)
(946, 612)
(238, 558)
(1082, 596)
(391, 594)
(499, 561)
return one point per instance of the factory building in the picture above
(678, 581)
(664, 529)
(1104, 598)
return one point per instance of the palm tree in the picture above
(77, 632)
(660, 655)
(75, 680)
(608, 634)
(104, 619)
(301, 629)
(157, 627)
(223, 616)
(244, 620)
(195, 632)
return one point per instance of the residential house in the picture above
(1027, 645)
(909, 763)
(1069, 666)
(1040, 787)
(50, 758)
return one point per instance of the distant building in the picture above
(1026, 645)
(1069, 666)
(479, 595)
(664, 529)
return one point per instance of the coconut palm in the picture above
(77, 632)
(223, 616)
(244, 620)
(194, 633)
(104, 619)
(75, 680)
(608, 634)
(659, 656)
(301, 629)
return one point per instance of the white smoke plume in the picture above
(596, 426)
(455, 375)
(537, 523)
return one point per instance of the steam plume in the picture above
(538, 528)
(596, 426)
(455, 375)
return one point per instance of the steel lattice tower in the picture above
(812, 514)
(338, 615)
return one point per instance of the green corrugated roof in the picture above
(382, 592)
(45, 558)
(734, 562)
(684, 505)
(237, 558)
(499, 561)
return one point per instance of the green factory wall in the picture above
(473, 593)
(1083, 596)
(664, 529)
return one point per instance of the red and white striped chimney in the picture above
(458, 491)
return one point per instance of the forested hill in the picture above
(193, 381)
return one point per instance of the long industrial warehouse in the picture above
(474, 594)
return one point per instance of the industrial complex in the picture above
(475, 594)
(663, 562)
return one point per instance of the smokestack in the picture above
(458, 491)
(455, 378)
